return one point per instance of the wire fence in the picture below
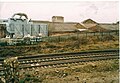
(78, 36)
(85, 35)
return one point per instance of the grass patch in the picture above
(82, 72)
(71, 44)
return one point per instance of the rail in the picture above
(59, 60)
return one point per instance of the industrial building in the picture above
(57, 19)
(22, 27)
(57, 25)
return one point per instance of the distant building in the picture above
(57, 19)
(109, 26)
(93, 26)
(89, 23)
(97, 28)
(57, 25)
(65, 27)
(20, 28)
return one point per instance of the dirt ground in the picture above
(90, 72)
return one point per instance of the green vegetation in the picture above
(100, 70)
(104, 71)
(63, 44)
(11, 70)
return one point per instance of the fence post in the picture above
(86, 34)
(116, 32)
(102, 34)
(94, 33)
(59, 38)
(77, 34)
(109, 33)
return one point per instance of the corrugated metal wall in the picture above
(21, 28)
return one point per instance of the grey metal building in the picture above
(20, 28)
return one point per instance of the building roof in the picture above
(97, 28)
(20, 14)
(39, 21)
(63, 27)
(89, 25)
(110, 26)
(58, 16)
(89, 21)
(80, 26)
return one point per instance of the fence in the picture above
(77, 35)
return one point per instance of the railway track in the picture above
(60, 60)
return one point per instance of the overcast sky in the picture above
(72, 11)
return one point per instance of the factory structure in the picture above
(57, 25)
(23, 27)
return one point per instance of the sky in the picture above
(72, 11)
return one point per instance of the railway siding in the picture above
(63, 58)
